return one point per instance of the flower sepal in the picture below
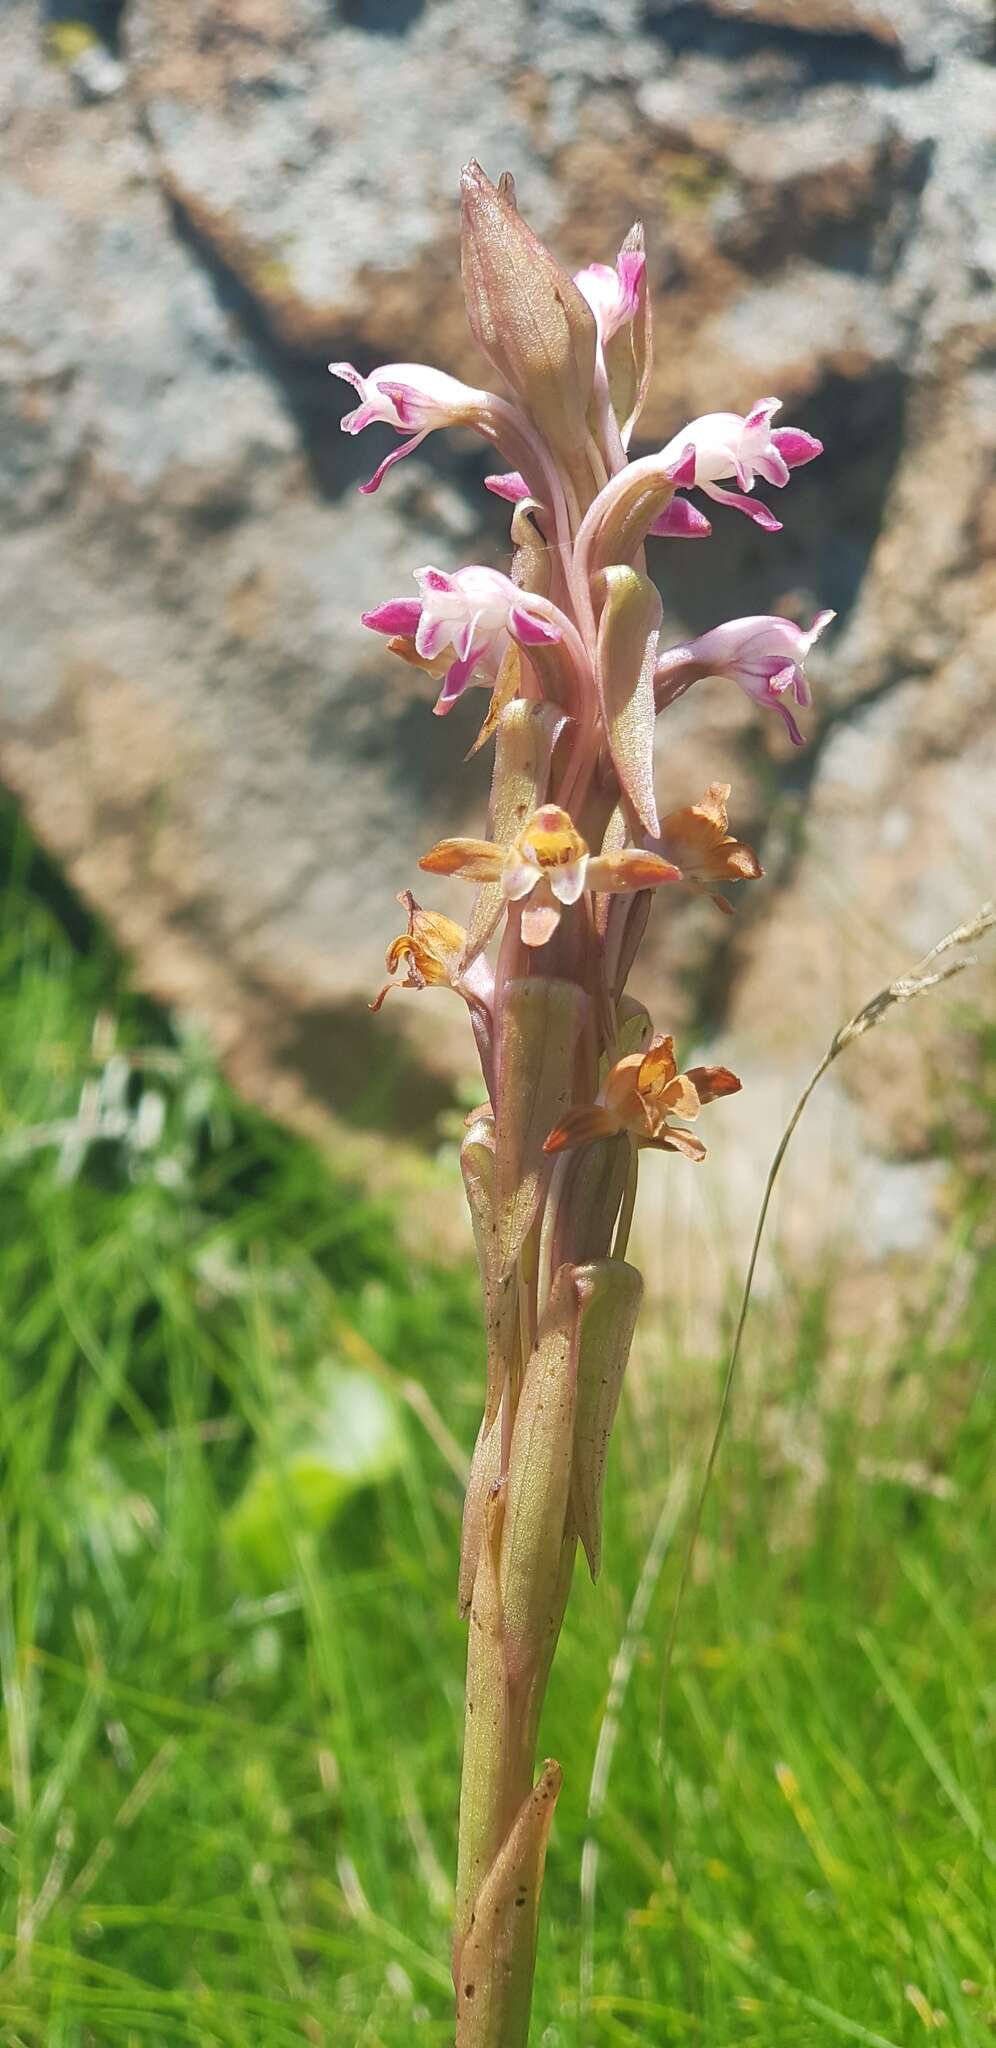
(699, 839)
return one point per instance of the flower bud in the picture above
(526, 313)
(626, 339)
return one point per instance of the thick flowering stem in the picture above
(575, 852)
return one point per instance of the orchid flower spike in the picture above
(728, 444)
(547, 866)
(765, 655)
(412, 398)
(641, 1094)
(473, 616)
(569, 643)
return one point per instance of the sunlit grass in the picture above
(228, 1805)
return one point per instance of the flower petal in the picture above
(674, 1139)
(568, 882)
(761, 412)
(436, 581)
(398, 615)
(678, 1098)
(658, 1066)
(772, 467)
(819, 625)
(682, 471)
(681, 520)
(467, 633)
(348, 375)
(506, 687)
(581, 1127)
(751, 507)
(630, 869)
(518, 877)
(788, 678)
(374, 482)
(539, 922)
(511, 485)
(796, 447)
(457, 678)
(710, 1083)
(476, 860)
(526, 626)
(797, 737)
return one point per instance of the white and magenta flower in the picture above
(473, 615)
(613, 291)
(744, 446)
(412, 398)
(764, 655)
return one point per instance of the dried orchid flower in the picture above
(578, 1084)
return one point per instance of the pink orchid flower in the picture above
(613, 291)
(412, 398)
(476, 612)
(765, 655)
(728, 444)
